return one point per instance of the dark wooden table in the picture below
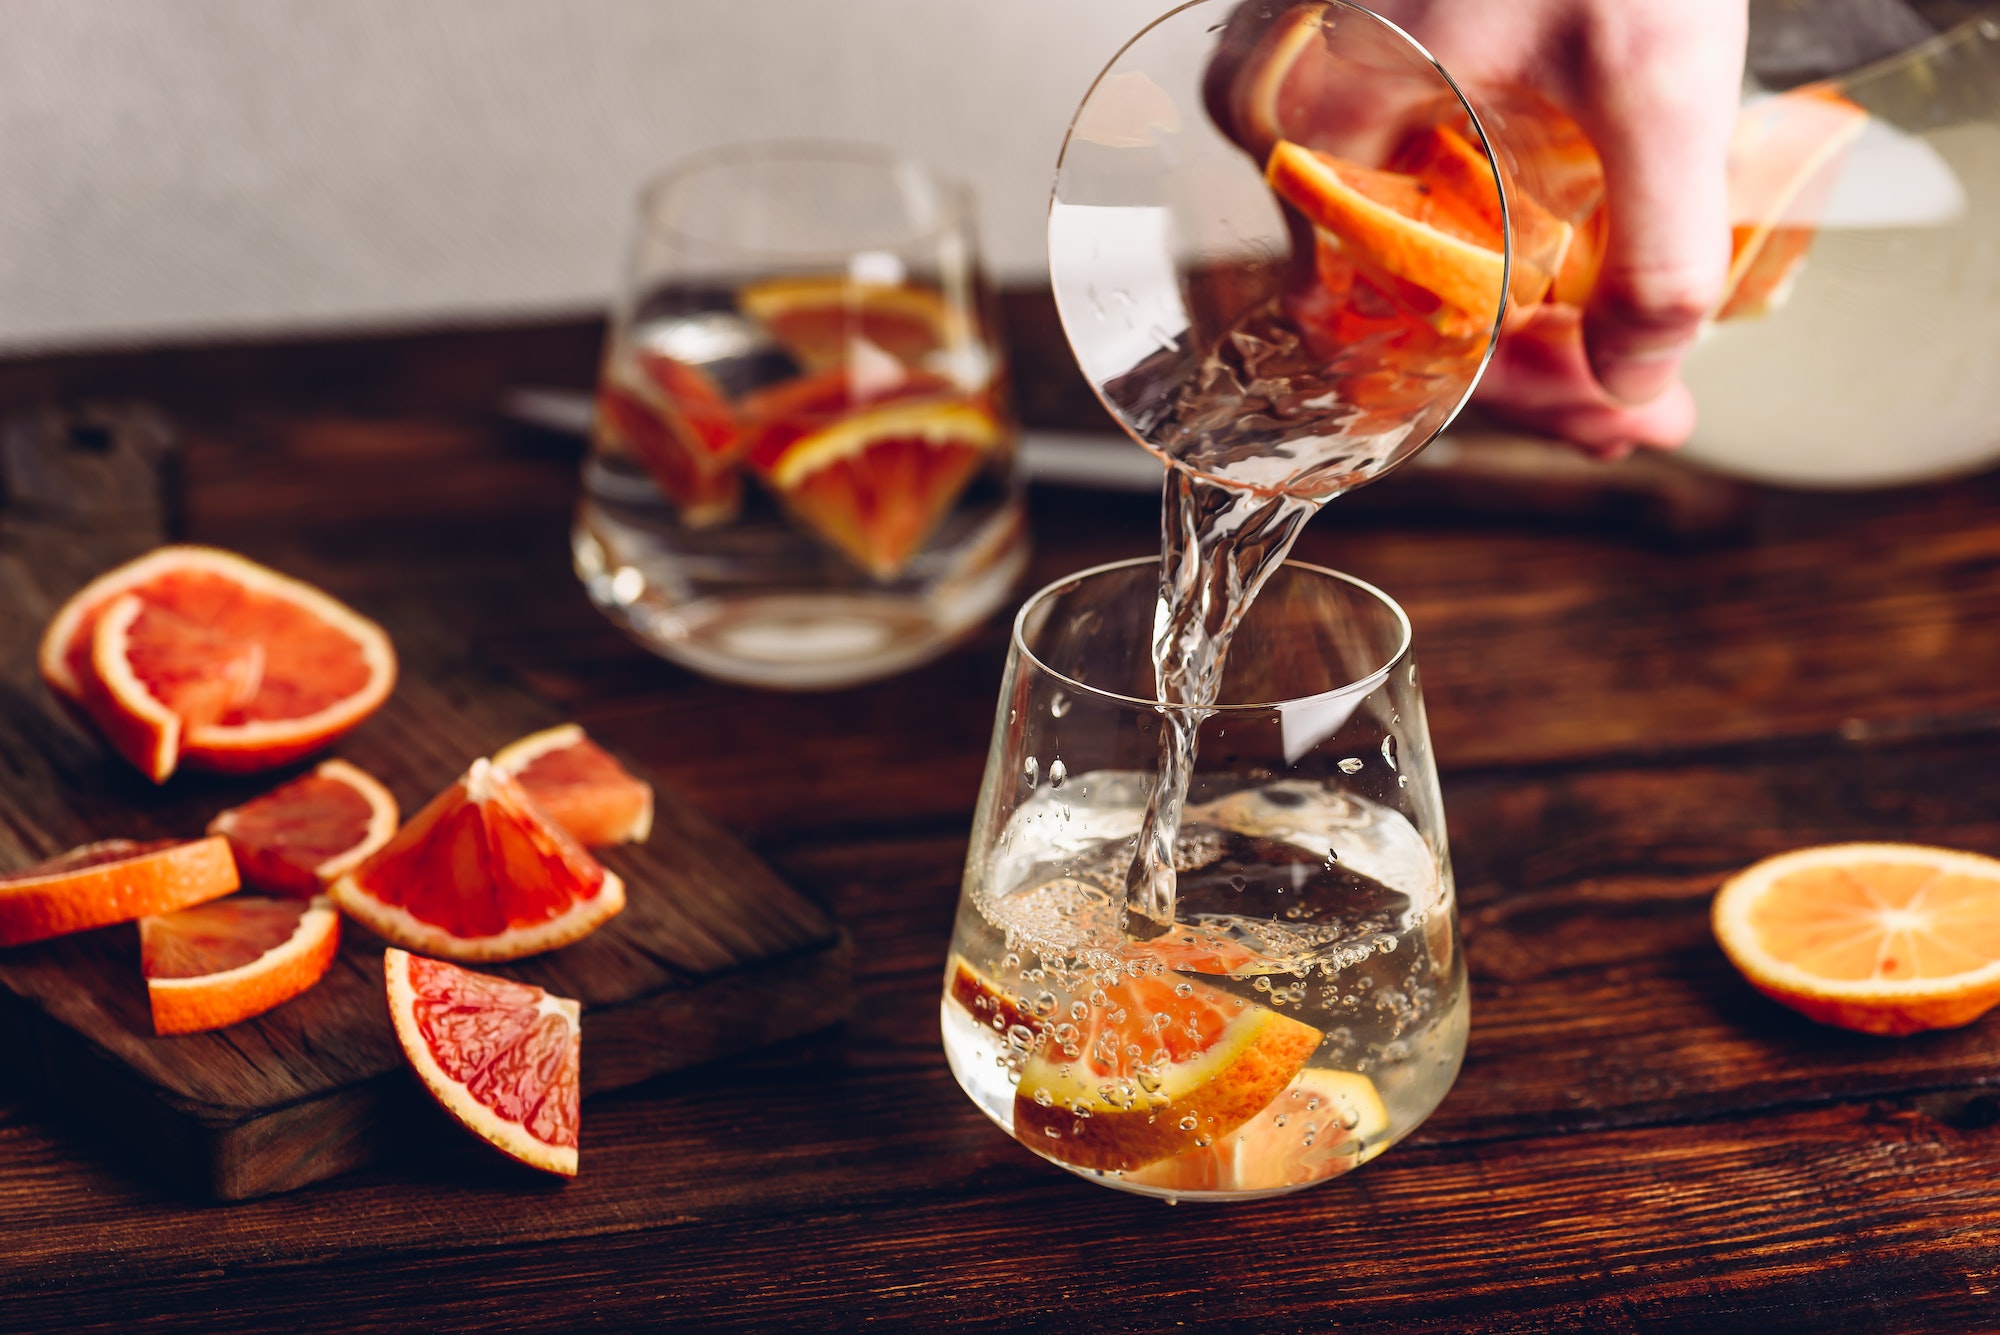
(1624, 713)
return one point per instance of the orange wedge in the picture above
(1460, 177)
(1883, 938)
(675, 420)
(580, 786)
(503, 1058)
(220, 963)
(1394, 223)
(302, 836)
(481, 873)
(822, 318)
(872, 475)
(114, 880)
(1326, 1123)
(1161, 1066)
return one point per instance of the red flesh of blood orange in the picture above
(115, 880)
(503, 1058)
(481, 873)
(300, 837)
(580, 786)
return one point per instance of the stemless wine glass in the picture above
(802, 466)
(1307, 1005)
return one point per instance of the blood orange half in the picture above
(302, 836)
(481, 873)
(503, 1058)
(114, 880)
(198, 655)
(220, 963)
(580, 786)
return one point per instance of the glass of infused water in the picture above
(802, 470)
(1300, 1004)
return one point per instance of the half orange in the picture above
(1883, 938)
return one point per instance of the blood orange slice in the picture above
(1326, 1123)
(220, 963)
(1785, 156)
(820, 318)
(675, 420)
(503, 1058)
(874, 478)
(1884, 938)
(300, 837)
(1159, 1066)
(580, 786)
(115, 880)
(214, 660)
(481, 873)
(1395, 224)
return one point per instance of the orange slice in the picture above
(1326, 1123)
(217, 964)
(503, 1058)
(1884, 938)
(678, 424)
(481, 874)
(115, 880)
(821, 318)
(300, 837)
(580, 786)
(1784, 157)
(1460, 177)
(1394, 223)
(1162, 1065)
(873, 476)
(198, 655)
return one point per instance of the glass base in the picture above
(785, 637)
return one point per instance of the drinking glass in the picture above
(801, 471)
(1306, 1007)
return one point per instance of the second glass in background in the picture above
(802, 466)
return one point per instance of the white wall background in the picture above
(191, 168)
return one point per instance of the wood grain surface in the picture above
(1623, 713)
(312, 1088)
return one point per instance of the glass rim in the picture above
(1370, 681)
(954, 195)
(1465, 103)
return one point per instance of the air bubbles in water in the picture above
(1058, 773)
(1058, 705)
(1350, 766)
(1389, 750)
(1031, 770)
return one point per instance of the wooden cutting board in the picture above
(712, 956)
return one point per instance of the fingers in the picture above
(1540, 380)
(1658, 95)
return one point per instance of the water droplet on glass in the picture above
(1389, 750)
(1058, 705)
(1058, 773)
(1350, 766)
(1031, 770)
